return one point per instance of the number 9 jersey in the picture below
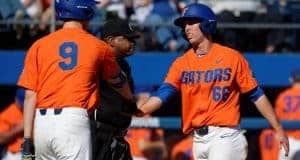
(210, 86)
(62, 68)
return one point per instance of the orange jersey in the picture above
(135, 135)
(210, 86)
(287, 107)
(62, 68)
(9, 118)
(269, 146)
(183, 149)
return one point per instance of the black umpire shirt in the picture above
(112, 104)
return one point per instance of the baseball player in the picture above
(113, 116)
(211, 78)
(287, 107)
(60, 75)
(269, 147)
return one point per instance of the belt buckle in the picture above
(202, 130)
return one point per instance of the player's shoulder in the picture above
(183, 57)
(42, 39)
(89, 37)
(230, 54)
(287, 91)
(95, 41)
(228, 51)
(46, 39)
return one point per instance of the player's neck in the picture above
(73, 24)
(203, 48)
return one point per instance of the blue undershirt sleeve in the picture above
(254, 94)
(165, 92)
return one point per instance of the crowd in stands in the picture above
(23, 21)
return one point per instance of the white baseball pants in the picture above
(62, 136)
(220, 143)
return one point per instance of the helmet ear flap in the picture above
(208, 27)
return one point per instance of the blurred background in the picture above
(267, 32)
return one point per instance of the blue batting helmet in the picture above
(201, 12)
(75, 9)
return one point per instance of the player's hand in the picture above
(142, 98)
(284, 141)
(132, 109)
(28, 149)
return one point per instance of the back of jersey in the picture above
(63, 68)
(287, 107)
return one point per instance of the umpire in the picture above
(113, 116)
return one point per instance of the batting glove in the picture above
(28, 149)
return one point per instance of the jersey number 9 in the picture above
(68, 51)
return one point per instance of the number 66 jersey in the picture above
(210, 86)
(62, 68)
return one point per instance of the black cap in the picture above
(119, 27)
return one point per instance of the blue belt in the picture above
(205, 129)
(202, 130)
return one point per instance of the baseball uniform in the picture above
(210, 87)
(287, 107)
(62, 69)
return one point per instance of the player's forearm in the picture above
(265, 108)
(29, 112)
(151, 105)
(120, 84)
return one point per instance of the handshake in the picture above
(134, 107)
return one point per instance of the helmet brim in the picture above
(181, 20)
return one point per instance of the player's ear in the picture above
(109, 40)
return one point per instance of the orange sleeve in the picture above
(245, 78)
(110, 67)
(173, 77)
(29, 76)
